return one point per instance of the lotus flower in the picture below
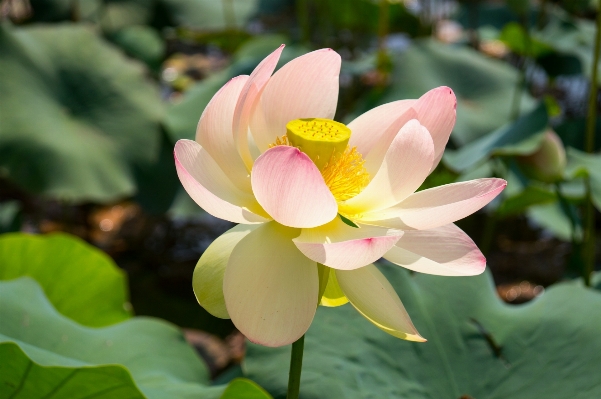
(317, 201)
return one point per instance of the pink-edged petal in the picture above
(211, 189)
(290, 188)
(247, 101)
(436, 110)
(373, 131)
(343, 247)
(306, 87)
(270, 288)
(207, 280)
(443, 251)
(437, 206)
(372, 295)
(406, 165)
(215, 132)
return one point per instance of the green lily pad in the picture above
(76, 112)
(530, 196)
(484, 87)
(138, 358)
(82, 282)
(479, 347)
(521, 137)
(242, 388)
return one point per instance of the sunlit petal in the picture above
(207, 280)
(372, 295)
(306, 87)
(215, 132)
(406, 165)
(211, 189)
(271, 289)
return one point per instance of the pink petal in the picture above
(373, 131)
(210, 188)
(406, 165)
(247, 101)
(290, 188)
(215, 132)
(443, 251)
(271, 289)
(437, 206)
(436, 110)
(306, 87)
(343, 247)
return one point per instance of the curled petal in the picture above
(380, 124)
(290, 188)
(436, 110)
(332, 296)
(437, 206)
(211, 189)
(443, 251)
(247, 101)
(215, 132)
(270, 288)
(372, 295)
(207, 280)
(343, 247)
(306, 87)
(406, 165)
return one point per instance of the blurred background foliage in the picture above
(95, 93)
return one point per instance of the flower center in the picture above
(326, 143)
(320, 139)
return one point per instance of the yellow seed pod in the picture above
(320, 139)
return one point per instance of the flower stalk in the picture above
(589, 213)
(296, 365)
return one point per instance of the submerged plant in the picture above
(317, 201)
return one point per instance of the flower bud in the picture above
(548, 162)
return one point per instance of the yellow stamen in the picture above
(344, 172)
(345, 175)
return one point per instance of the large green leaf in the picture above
(521, 137)
(75, 112)
(137, 358)
(241, 388)
(484, 86)
(478, 346)
(82, 282)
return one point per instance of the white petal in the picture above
(215, 132)
(437, 206)
(306, 87)
(443, 251)
(271, 289)
(372, 295)
(405, 167)
(207, 280)
(210, 188)
(247, 101)
(340, 246)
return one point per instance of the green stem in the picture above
(296, 364)
(521, 83)
(589, 217)
(592, 98)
